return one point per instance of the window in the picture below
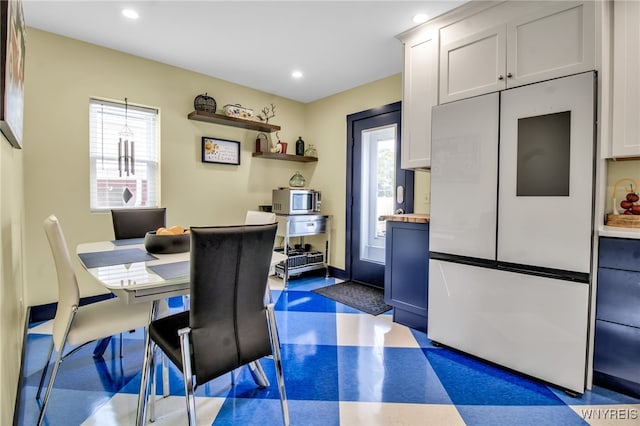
(377, 192)
(123, 155)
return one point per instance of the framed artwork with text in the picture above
(12, 51)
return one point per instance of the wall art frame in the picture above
(223, 151)
(12, 54)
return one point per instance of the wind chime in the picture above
(126, 153)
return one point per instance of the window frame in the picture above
(147, 161)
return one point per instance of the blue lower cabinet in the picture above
(616, 361)
(617, 357)
(406, 280)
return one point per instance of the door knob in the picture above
(509, 75)
(399, 211)
(500, 77)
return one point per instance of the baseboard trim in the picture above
(23, 352)
(338, 273)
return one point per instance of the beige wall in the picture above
(327, 123)
(12, 310)
(61, 75)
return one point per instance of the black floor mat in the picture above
(359, 296)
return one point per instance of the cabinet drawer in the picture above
(618, 296)
(617, 351)
(302, 225)
(307, 227)
(619, 253)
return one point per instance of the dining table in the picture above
(130, 272)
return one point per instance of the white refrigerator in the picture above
(511, 227)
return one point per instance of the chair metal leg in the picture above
(275, 345)
(44, 370)
(101, 346)
(268, 298)
(144, 379)
(56, 366)
(151, 398)
(258, 374)
(187, 375)
(165, 376)
(47, 394)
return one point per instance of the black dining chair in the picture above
(228, 325)
(135, 223)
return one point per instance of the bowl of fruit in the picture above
(168, 240)
(626, 212)
(629, 204)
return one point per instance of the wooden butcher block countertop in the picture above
(410, 217)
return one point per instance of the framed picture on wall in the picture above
(12, 45)
(220, 151)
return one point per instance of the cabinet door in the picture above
(556, 41)
(617, 355)
(407, 271)
(420, 94)
(473, 65)
(626, 84)
(464, 177)
(546, 174)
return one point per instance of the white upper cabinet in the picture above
(515, 43)
(625, 137)
(420, 93)
(473, 65)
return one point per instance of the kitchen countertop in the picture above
(409, 217)
(619, 232)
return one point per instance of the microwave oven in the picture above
(296, 201)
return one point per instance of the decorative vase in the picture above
(299, 146)
(311, 151)
(297, 180)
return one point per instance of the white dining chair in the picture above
(255, 217)
(76, 325)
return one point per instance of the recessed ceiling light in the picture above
(296, 74)
(130, 13)
(420, 18)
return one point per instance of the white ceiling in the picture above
(338, 45)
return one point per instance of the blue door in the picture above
(376, 186)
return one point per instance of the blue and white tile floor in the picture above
(342, 367)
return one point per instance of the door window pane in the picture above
(378, 189)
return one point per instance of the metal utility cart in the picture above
(301, 260)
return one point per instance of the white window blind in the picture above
(124, 165)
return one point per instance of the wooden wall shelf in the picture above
(209, 117)
(288, 157)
